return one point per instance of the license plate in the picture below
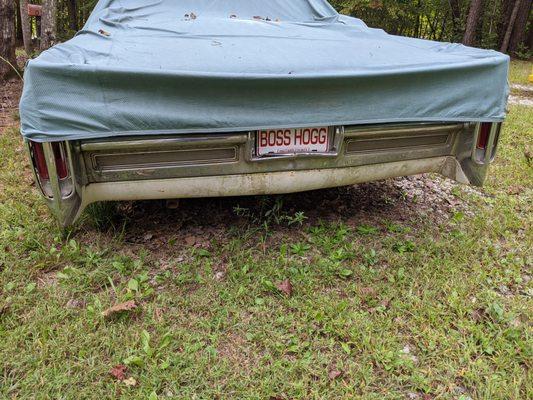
(292, 141)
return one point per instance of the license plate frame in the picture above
(283, 142)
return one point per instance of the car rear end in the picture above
(74, 174)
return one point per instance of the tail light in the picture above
(488, 136)
(483, 136)
(60, 156)
(39, 161)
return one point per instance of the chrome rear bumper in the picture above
(137, 168)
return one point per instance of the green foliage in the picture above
(442, 20)
(427, 19)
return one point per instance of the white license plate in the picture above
(292, 141)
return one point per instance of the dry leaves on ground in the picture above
(285, 287)
(130, 382)
(118, 308)
(334, 374)
(119, 372)
(190, 240)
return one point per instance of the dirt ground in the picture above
(521, 95)
(9, 102)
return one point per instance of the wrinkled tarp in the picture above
(183, 66)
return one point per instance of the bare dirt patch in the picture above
(10, 92)
(521, 95)
(166, 233)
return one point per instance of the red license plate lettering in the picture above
(292, 141)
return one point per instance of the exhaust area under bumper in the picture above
(227, 165)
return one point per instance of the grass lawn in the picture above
(394, 295)
(520, 71)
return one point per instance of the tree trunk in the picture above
(472, 22)
(455, 8)
(48, 24)
(19, 24)
(520, 27)
(72, 15)
(529, 40)
(7, 39)
(505, 15)
(26, 27)
(510, 26)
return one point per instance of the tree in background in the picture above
(472, 22)
(8, 60)
(482, 23)
(516, 27)
(72, 6)
(26, 27)
(18, 25)
(49, 24)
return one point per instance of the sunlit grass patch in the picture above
(520, 71)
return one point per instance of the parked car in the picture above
(200, 98)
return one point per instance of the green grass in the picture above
(520, 71)
(400, 305)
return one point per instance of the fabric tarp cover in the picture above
(143, 67)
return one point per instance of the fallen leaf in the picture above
(119, 372)
(190, 240)
(334, 374)
(515, 189)
(102, 32)
(220, 275)
(117, 308)
(130, 382)
(148, 236)
(528, 153)
(75, 303)
(367, 291)
(385, 303)
(285, 287)
(4, 308)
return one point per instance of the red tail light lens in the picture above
(484, 134)
(39, 160)
(61, 160)
(64, 179)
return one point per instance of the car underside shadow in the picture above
(400, 200)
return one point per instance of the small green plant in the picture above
(300, 249)
(139, 286)
(366, 230)
(241, 211)
(523, 52)
(370, 258)
(395, 228)
(298, 218)
(103, 215)
(406, 246)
